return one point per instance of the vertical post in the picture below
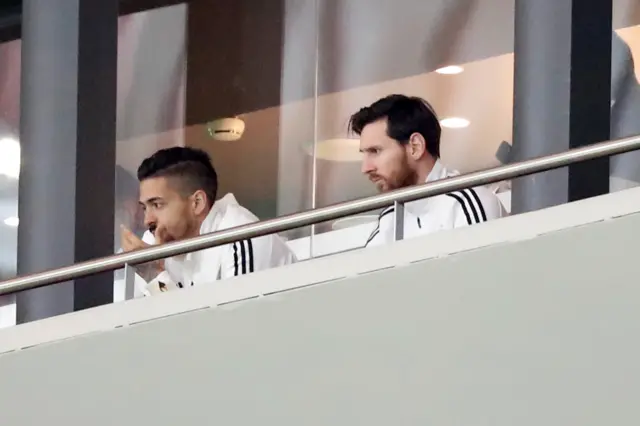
(68, 115)
(316, 113)
(129, 282)
(561, 96)
(398, 221)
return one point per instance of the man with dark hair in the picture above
(400, 143)
(178, 189)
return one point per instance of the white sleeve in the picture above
(160, 284)
(383, 232)
(246, 256)
(474, 205)
(375, 238)
(255, 254)
(493, 206)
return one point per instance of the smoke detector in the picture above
(226, 129)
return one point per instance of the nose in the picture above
(149, 218)
(367, 166)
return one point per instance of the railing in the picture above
(311, 217)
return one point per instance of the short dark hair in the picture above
(191, 166)
(405, 115)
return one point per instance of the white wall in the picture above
(446, 340)
(324, 269)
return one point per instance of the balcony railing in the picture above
(311, 217)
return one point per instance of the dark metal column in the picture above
(68, 117)
(561, 96)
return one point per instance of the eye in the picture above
(157, 205)
(374, 151)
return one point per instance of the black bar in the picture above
(590, 108)
(128, 7)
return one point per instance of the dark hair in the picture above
(192, 167)
(405, 115)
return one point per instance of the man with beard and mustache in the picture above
(400, 143)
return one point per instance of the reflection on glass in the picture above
(151, 105)
(449, 53)
(258, 70)
(9, 170)
(625, 105)
(294, 71)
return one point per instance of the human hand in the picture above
(161, 235)
(130, 241)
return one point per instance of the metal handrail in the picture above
(311, 217)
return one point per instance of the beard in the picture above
(401, 177)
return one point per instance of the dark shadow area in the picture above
(234, 66)
(11, 13)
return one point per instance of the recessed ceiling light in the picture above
(12, 221)
(454, 122)
(450, 70)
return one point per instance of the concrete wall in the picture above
(530, 331)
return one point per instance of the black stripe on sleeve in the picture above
(243, 258)
(464, 207)
(474, 211)
(386, 211)
(250, 250)
(480, 206)
(372, 236)
(235, 259)
(376, 231)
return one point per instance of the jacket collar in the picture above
(217, 212)
(437, 172)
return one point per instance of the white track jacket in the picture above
(206, 266)
(448, 211)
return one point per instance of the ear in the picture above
(417, 146)
(200, 202)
